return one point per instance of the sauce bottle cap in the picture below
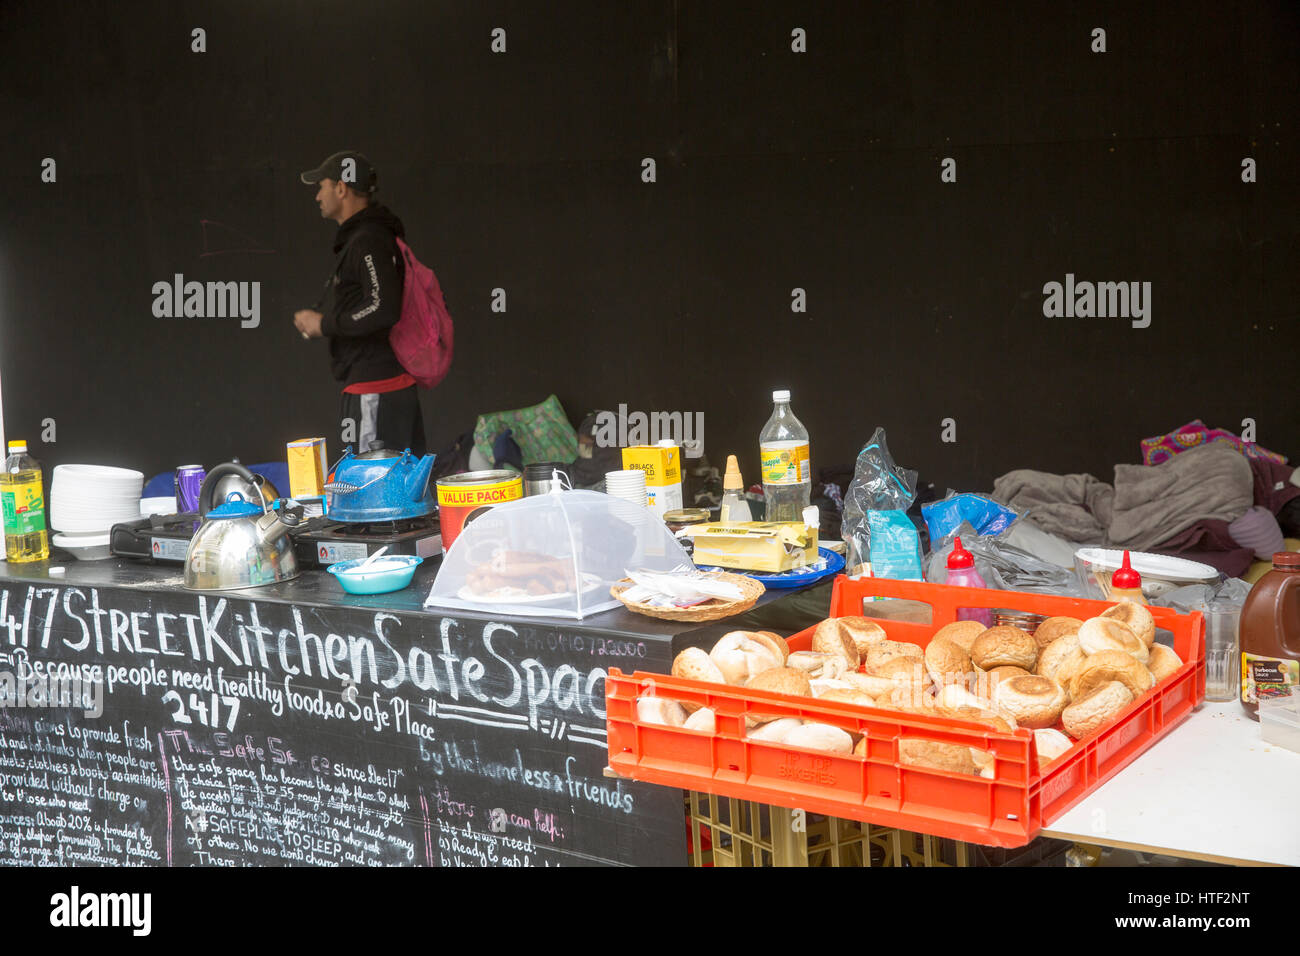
(1126, 577)
(732, 478)
(1286, 559)
(960, 557)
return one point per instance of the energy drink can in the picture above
(188, 481)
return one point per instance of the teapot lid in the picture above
(235, 506)
(377, 450)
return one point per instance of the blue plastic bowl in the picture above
(389, 573)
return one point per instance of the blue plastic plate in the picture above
(829, 564)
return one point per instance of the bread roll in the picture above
(703, 719)
(1004, 645)
(954, 695)
(1163, 662)
(739, 657)
(774, 642)
(817, 664)
(694, 664)
(1096, 708)
(1055, 654)
(781, 680)
(1137, 617)
(1050, 745)
(774, 731)
(882, 652)
(1105, 634)
(961, 633)
(816, 736)
(1054, 628)
(862, 631)
(660, 710)
(829, 638)
(903, 670)
(908, 696)
(1001, 722)
(946, 662)
(849, 695)
(1106, 666)
(1034, 701)
(823, 685)
(989, 680)
(954, 758)
(984, 762)
(869, 683)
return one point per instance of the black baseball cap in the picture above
(359, 174)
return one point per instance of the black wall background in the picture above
(776, 170)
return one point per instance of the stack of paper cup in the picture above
(628, 485)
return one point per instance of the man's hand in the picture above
(307, 321)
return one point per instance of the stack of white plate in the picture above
(86, 501)
(628, 485)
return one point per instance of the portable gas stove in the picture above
(161, 537)
(323, 541)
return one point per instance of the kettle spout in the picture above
(419, 478)
(270, 527)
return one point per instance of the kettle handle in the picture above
(215, 475)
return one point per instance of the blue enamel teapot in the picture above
(380, 485)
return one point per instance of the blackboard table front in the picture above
(295, 724)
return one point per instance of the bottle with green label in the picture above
(22, 498)
(783, 454)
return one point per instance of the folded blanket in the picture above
(1154, 502)
(1148, 504)
(1076, 507)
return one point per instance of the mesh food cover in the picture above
(553, 555)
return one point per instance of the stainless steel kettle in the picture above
(242, 545)
(234, 477)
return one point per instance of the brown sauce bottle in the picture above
(1270, 634)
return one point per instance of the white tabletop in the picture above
(1212, 790)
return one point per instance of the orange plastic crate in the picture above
(1007, 811)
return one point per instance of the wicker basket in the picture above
(712, 610)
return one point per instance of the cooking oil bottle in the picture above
(22, 498)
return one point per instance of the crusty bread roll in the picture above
(987, 682)
(908, 696)
(946, 662)
(775, 642)
(869, 683)
(694, 664)
(961, 633)
(774, 731)
(817, 664)
(862, 631)
(1105, 634)
(781, 680)
(1054, 655)
(1096, 708)
(984, 762)
(918, 752)
(822, 685)
(996, 720)
(903, 670)
(1004, 645)
(1035, 701)
(660, 710)
(1137, 617)
(1055, 628)
(739, 657)
(1163, 662)
(1106, 666)
(703, 719)
(1050, 744)
(816, 736)
(882, 652)
(830, 638)
(849, 695)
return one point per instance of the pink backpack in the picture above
(422, 339)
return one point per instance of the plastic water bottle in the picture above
(22, 499)
(785, 463)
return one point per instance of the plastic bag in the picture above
(984, 514)
(878, 485)
(895, 546)
(1003, 566)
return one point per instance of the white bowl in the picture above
(84, 548)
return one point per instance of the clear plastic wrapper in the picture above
(553, 555)
(1003, 566)
(878, 485)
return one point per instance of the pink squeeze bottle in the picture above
(962, 573)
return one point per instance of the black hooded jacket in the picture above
(363, 297)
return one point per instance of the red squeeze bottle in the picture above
(1126, 583)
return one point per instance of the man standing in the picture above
(362, 301)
